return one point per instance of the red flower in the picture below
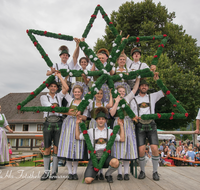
(18, 107)
(162, 45)
(171, 118)
(45, 32)
(153, 38)
(42, 56)
(109, 151)
(91, 25)
(137, 39)
(186, 114)
(96, 169)
(164, 35)
(47, 84)
(168, 92)
(111, 134)
(85, 132)
(159, 116)
(32, 93)
(95, 151)
(98, 5)
(27, 31)
(159, 46)
(52, 107)
(177, 101)
(35, 43)
(38, 111)
(110, 23)
(44, 82)
(155, 56)
(175, 105)
(89, 151)
(53, 111)
(59, 34)
(172, 113)
(104, 150)
(93, 16)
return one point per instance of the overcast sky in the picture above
(23, 69)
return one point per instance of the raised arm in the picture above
(114, 108)
(110, 104)
(136, 86)
(65, 87)
(76, 51)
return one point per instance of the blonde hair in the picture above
(120, 86)
(122, 55)
(79, 87)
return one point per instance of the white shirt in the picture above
(134, 66)
(78, 67)
(154, 97)
(198, 115)
(105, 63)
(48, 102)
(63, 66)
(5, 121)
(70, 99)
(116, 69)
(99, 134)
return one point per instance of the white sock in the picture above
(75, 165)
(120, 169)
(126, 166)
(69, 166)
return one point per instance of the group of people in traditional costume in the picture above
(63, 128)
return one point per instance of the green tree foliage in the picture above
(178, 67)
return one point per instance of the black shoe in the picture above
(109, 179)
(119, 177)
(142, 175)
(156, 176)
(97, 177)
(70, 177)
(101, 177)
(126, 177)
(75, 177)
(53, 176)
(44, 177)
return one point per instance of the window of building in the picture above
(12, 127)
(39, 127)
(25, 127)
(25, 142)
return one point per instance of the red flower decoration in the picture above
(42, 56)
(110, 23)
(104, 150)
(18, 107)
(109, 151)
(158, 45)
(95, 151)
(175, 105)
(177, 101)
(168, 92)
(45, 32)
(91, 25)
(93, 16)
(153, 38)
(44, 82)
(27, 31)
(32, 93)
(89, 151)
(47, 84)
(102, 16)
(164, 35)
(96, 169)
(162, 45)
(53, 111)
(111, 134)
(171, 118)
(85, 132)
(186, 114)
(172, 113)
(137, 39)
(59, 34)
(98, 5)
(159, 116)
(155, 56)
(35, 43)
(52, 107)
(38, 111)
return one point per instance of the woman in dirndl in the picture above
(119, 70)
(69, 148)
(4, 150)
(127, 150)
(83, 80)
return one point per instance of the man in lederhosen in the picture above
(144, 103)
(99, 138)
(52, 125)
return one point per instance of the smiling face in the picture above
(122, 92)
(64, 57)
(101, 122)
(136, 56)
(121, 61)
(83, 63)
(99, 95)
(143, 88)
(102, 58)
(53, 88)
(77, 93)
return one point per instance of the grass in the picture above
(28, 163)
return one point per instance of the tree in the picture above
(179, 65)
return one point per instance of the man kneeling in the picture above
(99, 138)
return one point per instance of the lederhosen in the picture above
(146, 128)
(89, 172)
(52, 129)
(132, 82)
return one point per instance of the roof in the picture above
(9, 108)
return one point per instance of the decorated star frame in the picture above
(104, 77)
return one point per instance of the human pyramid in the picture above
(115, 89)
